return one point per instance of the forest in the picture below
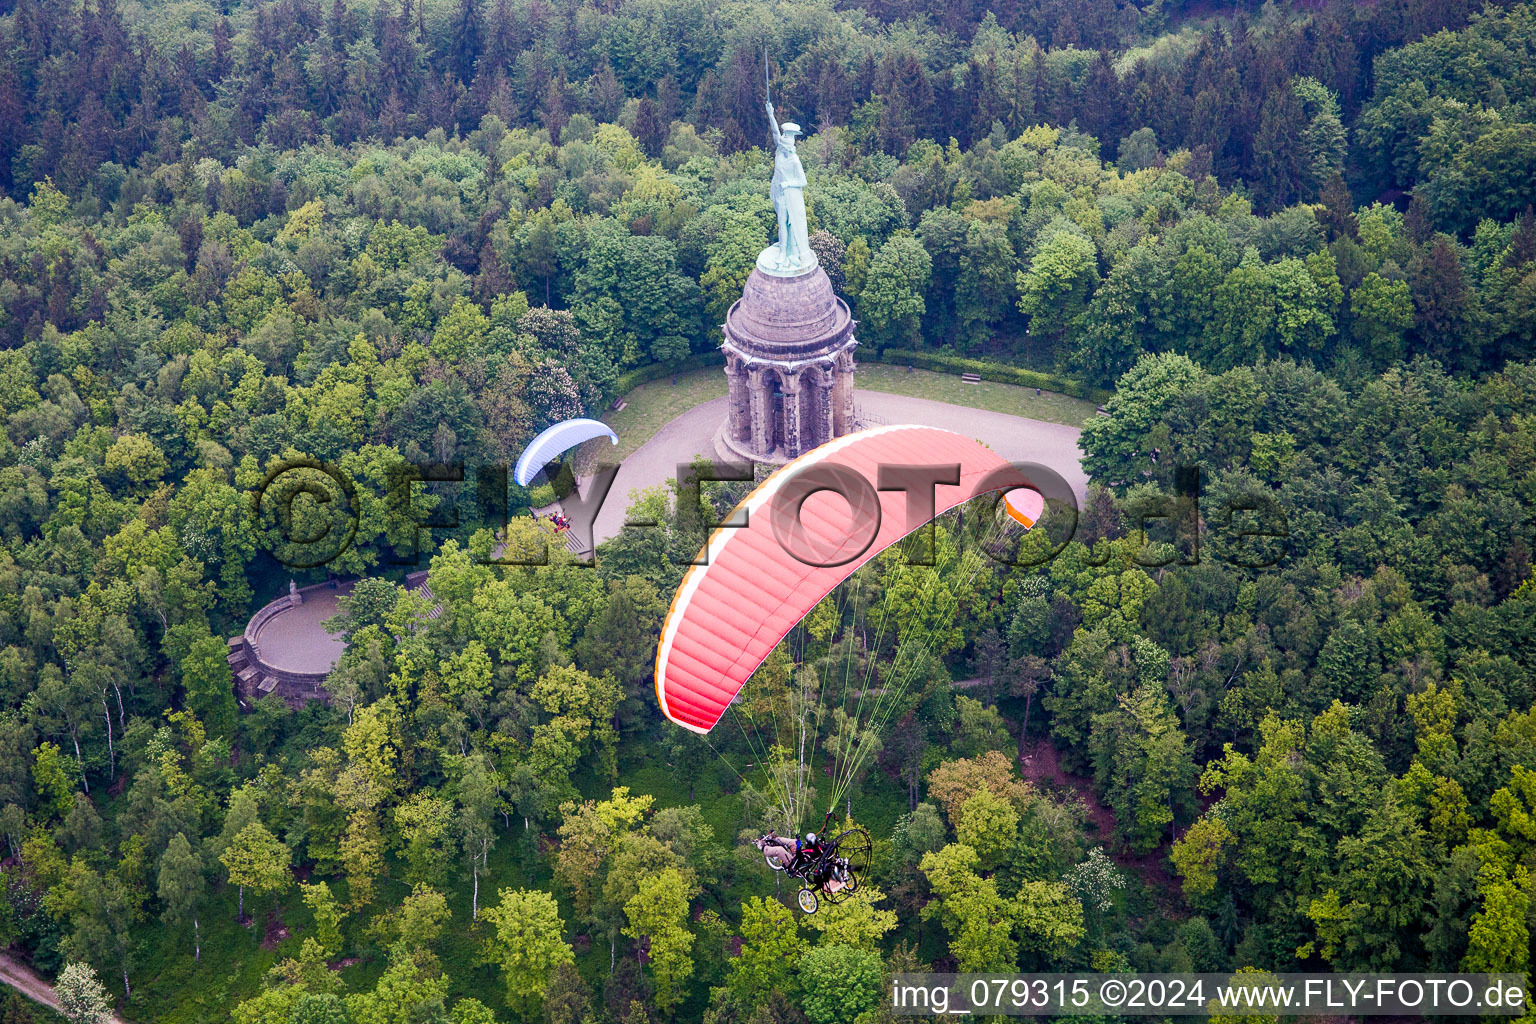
(1295, 240)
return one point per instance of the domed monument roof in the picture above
(788, 318)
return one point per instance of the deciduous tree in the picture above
(182, 888)
(257, 860)
(527, 944)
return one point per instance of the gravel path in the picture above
(692, 433)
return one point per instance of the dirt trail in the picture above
(17, 974)
(1041, 765)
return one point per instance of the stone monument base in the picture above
(789, 366)
(730, 452)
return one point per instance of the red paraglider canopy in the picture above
(729, 614)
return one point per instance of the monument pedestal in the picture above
(789, 362)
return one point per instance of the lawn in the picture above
(651, 406)
(993, 397)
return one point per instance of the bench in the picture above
(971, 378)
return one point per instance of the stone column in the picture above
(842, 410)
(792, 385)
(826, 404)
(738, 405)
(761, 410)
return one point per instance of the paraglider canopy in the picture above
(1024, 506)
(553, 441)
(801, 540)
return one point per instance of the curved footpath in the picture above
(692, 433)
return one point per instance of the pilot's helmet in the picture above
(810, 837)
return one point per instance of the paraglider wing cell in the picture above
(735, 607)
(554, 440)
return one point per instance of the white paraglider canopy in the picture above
(553, 441)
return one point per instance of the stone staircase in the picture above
(251, 682)
(575, 547)
(567, 537)
(417, 581)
